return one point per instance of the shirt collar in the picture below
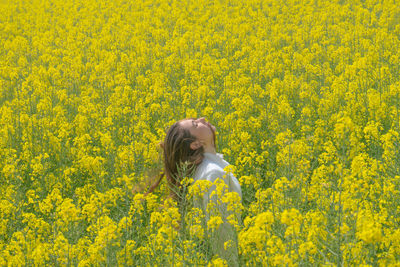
(212, 156)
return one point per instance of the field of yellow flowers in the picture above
(305, 96)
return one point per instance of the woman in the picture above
(189, 150)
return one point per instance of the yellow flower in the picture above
(41, 253)
(293, 219)
(67, 213)
(214, 222)
(62, 249)
(199, 188)
(218, 262)
(368, 229)
(307, 247)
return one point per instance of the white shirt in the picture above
(211, 168)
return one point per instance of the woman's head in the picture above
(203, 131)
(183, 149)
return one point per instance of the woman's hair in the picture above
(180, 160)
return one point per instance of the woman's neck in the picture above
(210, 149)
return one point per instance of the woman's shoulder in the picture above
(208, 170)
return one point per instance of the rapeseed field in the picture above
(304, 95)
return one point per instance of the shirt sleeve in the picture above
(225, 231)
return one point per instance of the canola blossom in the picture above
(305, 96)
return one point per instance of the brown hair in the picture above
(180, 160)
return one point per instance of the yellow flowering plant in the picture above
(305, 96)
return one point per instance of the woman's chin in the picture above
(212, 127)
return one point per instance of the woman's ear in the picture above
(195, 145)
